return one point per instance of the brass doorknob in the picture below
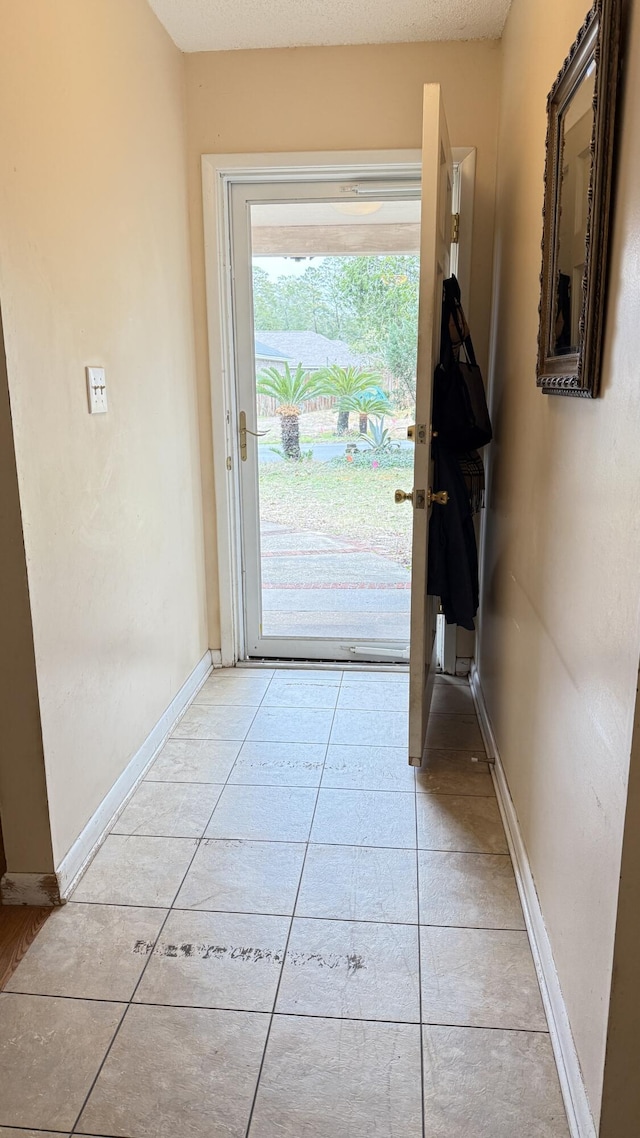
(441, 497)
(400, 496)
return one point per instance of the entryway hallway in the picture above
(291, 934)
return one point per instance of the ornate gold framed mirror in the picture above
(577, 207)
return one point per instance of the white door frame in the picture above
(219, 171)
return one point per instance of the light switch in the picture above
(96, 390)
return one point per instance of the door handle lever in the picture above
(244, 430)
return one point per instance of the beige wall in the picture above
(341, 98)
(94, 269)
(560, 628)
(621, 1090)
(24, 810)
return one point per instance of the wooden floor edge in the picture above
(19, 926)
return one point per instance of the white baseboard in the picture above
(86, 844)
(576, 1103)
(216, 657)
(486, 729)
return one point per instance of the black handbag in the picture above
(460, 413)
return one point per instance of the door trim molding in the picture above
(574, 1094)
(219, 172)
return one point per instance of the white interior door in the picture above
(437, 183)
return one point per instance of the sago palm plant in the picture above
(374, 402)
(291, 390)
(343, 383)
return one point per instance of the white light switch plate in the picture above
(96, 390)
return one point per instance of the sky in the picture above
(285, 266)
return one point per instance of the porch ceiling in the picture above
(334, 240)
(314, 229)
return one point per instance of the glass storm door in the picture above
(326, 281)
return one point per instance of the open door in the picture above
(437, 184)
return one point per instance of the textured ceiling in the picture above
(225, 25)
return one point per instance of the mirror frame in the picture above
(578, 373)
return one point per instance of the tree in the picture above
(291, 390)
(266, 301)
(324, 291)
(370, 302)
(374, 402)
(401, 354)
(280, 305)
(311, 302)
(344, 384)
(381, 293)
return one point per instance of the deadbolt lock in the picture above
(417, 432)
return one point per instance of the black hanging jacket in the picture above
(453, 556)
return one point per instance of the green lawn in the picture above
(342, 499)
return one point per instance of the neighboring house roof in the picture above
(264, 352)
(310, 349)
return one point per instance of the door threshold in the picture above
(322, 665)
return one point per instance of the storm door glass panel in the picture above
(335, 306)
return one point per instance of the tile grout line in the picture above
(284, 841)
(36, 1130)
(284, 1015)
(101, 1064)
(129, 1003)
(279, 916)
(281, 842)
(286, 947)
(471, 751)
(291, 786)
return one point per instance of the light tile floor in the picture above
(291, 934)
